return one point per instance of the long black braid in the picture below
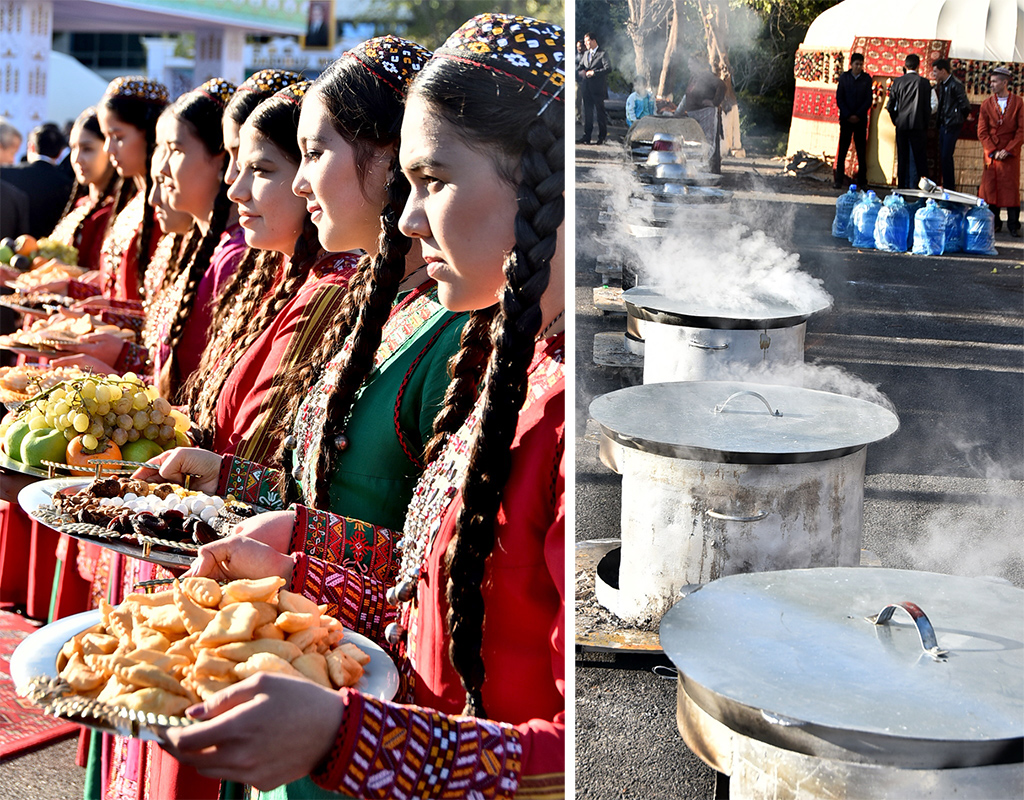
(491, 109)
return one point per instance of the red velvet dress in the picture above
(83, 228)
(389, 749)
(246, 408)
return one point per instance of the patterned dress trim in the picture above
(403, 752)
(120, 237)
(356, 600)
(406, 321)
(251, 483)
(349, 543)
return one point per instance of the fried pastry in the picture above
(154, 700)
(242, 651)
(251, 590)
(202, 591)
(290, 601)
(232, 624)
(194, 616)
(344, 670)
(265, 662)
(294, 621)
(314, 667)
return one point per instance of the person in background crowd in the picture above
(854, 99)
(10, 142)
(579, 86)
(951, 110)
(909, 107)
(705, 93)
(1001, 133)
(88, 210)
(640, 102)
(41, 179)
(593, 77)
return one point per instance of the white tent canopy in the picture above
(73, 87)
(985, 30)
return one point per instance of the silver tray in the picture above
(34, 672)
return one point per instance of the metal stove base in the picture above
(760, 771)
(599, 559)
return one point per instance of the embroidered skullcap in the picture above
(294, 93)
(138, 87)
(1004, 71)
(268, 81)
(218, 90)
(523, 48)
(394, 60)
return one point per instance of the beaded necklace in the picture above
(119, 238)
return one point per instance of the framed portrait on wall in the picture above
(319, 26)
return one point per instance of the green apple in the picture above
(13, 438)
(140, 450)
(45, 444)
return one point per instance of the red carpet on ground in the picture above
(22, 726)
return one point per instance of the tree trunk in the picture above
(670, 48)
(714, 14)
(644, 18)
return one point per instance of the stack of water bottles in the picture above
(924, 228)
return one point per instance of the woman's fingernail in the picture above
(196, 711)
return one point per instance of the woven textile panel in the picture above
(883, 57)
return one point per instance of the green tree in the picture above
(429, 22)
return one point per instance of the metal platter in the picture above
(796, 658)
(34, 672)
(36, 497)
(652, 305)
(740, 423)
(13, 465)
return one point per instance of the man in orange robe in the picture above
(1001, 133)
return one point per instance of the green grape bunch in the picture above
(104, 408)
(51, 248)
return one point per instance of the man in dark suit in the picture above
(854, 99)
(909, 106)
(317, 34)
(593, 76)
(952, 108)
(41, 179)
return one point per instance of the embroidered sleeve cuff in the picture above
(357, 601)
(397, 751)
(350, 543)
(133, 358)
(251, 483)
(79, 290)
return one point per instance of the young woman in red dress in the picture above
(480, 636)
(85, 219)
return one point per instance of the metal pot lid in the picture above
(652, 304)
(740, 423)
(792, 655)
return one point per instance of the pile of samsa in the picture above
(160, 653)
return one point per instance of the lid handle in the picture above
(755, 517)
(924, 626)
(701, 346)
(721, 406)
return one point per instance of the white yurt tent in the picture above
(976, 35)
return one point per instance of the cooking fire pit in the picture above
(686, 340)
(875, 684)
(726, 477)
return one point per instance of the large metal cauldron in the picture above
(727, 477)
(684, 340)
(795, 685)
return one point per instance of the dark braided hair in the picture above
(87, 121)
(202, 113)
(504, 115)
(367, 113)
(236, 323)
(143, 115)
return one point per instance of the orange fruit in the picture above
(78, 456)
(25, 245)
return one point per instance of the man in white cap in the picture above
(1001, 133)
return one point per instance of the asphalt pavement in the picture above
(942, 338)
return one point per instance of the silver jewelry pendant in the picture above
(394, 633)
(341, 442)
(402, 593)
(290, 442)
